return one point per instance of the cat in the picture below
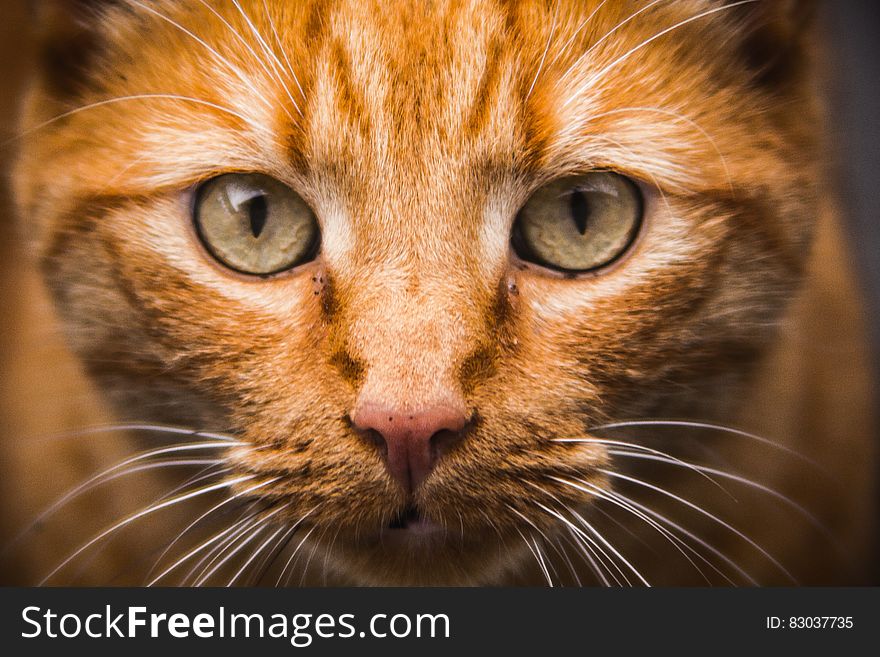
(453, 292)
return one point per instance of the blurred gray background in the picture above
(853, 29)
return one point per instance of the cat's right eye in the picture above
(255, 224)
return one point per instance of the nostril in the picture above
(374, 438)
(444, 441)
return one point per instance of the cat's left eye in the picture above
(255, 224)
(580, 223)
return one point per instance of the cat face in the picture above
(410, 253)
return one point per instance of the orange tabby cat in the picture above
(431, 279)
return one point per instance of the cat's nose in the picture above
(411, 441)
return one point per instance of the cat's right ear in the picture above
(68, 40)
(776, 38)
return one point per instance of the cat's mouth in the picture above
(407, 517)
(411, 525)
(413, 522)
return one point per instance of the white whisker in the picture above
(702, 511)
(635, 446)
(541, 565)
(546, 50)
(105, 477)
(282, 49)
(273, 58)
(195, 522)
(253, 53)
(140, 514)
(624, 503)
(579, 29)
(220, 58)
(253, 531)
(257, 553)
(606, 36)
(745, 481)
(290, 560)
(607, 68)
(685, 532)
(228, 532)
(708, 426)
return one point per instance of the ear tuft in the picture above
(69, 41)
(776, 39)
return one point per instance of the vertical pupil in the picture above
(258, 212)
(580, 210)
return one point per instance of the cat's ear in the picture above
(776, 39)
(68, 40)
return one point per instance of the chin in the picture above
(423, 553)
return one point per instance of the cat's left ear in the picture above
(776, 38)
(68, 39)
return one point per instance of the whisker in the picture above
(580, 28)
(607, 68)
(271, 557)
(257, 553)
(624, 503)
(606, 36)
(541, 565)
(226, 550)
(250, 533)
(105, 477)
(140, 514)
(137, 427)
(220, 58)
(703, 543)
(290, 560)
(543, 534)
(601, 551)
(635, 446)
(710, 427)
(317, 542)
(546, 50)
(247, 520)
(561, 551)
(608, 544)
(206, 473)
(253, 53)
(204, 545)
(600, 538)
(745, 481)
(134, 97)
(681, 117)
(273, 58)
(194, 523)
(326, 562)
(702, 511)
(548, 563)
(282, 49)
(600, 555)
(586, 552)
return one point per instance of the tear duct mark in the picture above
(496, 339)
(350, 368)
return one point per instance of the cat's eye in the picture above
(580, 223)
(255, 224)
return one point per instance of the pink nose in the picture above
(411, 441)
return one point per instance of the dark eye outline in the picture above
(524, 252)
(199, 190)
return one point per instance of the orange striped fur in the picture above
(416, 130)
